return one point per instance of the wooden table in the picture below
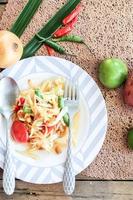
(86, 188)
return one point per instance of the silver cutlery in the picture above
(9, 91)
(71, 97)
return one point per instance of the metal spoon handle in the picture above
(1, 76)
(69, 176)
(9, 167)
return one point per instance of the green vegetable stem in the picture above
(27, 109)
(61, 106)
(66, 119)
(38, 93)
(60, 102)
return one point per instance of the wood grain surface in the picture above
(3, 1)
(92, 190)
(85, 188)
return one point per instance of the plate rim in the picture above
(8, 70)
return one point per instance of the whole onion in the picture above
(11, 49)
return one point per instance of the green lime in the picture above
(112, 72)
(130, 138)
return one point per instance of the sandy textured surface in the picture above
(107, 27)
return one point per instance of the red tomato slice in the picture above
(19, 132)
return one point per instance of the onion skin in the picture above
(11, 49)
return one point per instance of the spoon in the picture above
(9, 91)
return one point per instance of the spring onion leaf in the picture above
(25, 17)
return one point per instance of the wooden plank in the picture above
(3, 1)
(91, 190)
(85, 189)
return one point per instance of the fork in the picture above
(71, 99)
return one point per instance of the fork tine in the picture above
(73, 92)
(70, 91)
(76, 92)
(66, 90)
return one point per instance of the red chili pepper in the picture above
(50, 50)
(66, 29)
(72, 15)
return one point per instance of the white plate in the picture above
(93, 120)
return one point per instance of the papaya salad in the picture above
(40, 118)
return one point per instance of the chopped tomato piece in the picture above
(19, 105)
(50, 128)
(17, 108)
(21, 101)
(19, 132)
(44, 130)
